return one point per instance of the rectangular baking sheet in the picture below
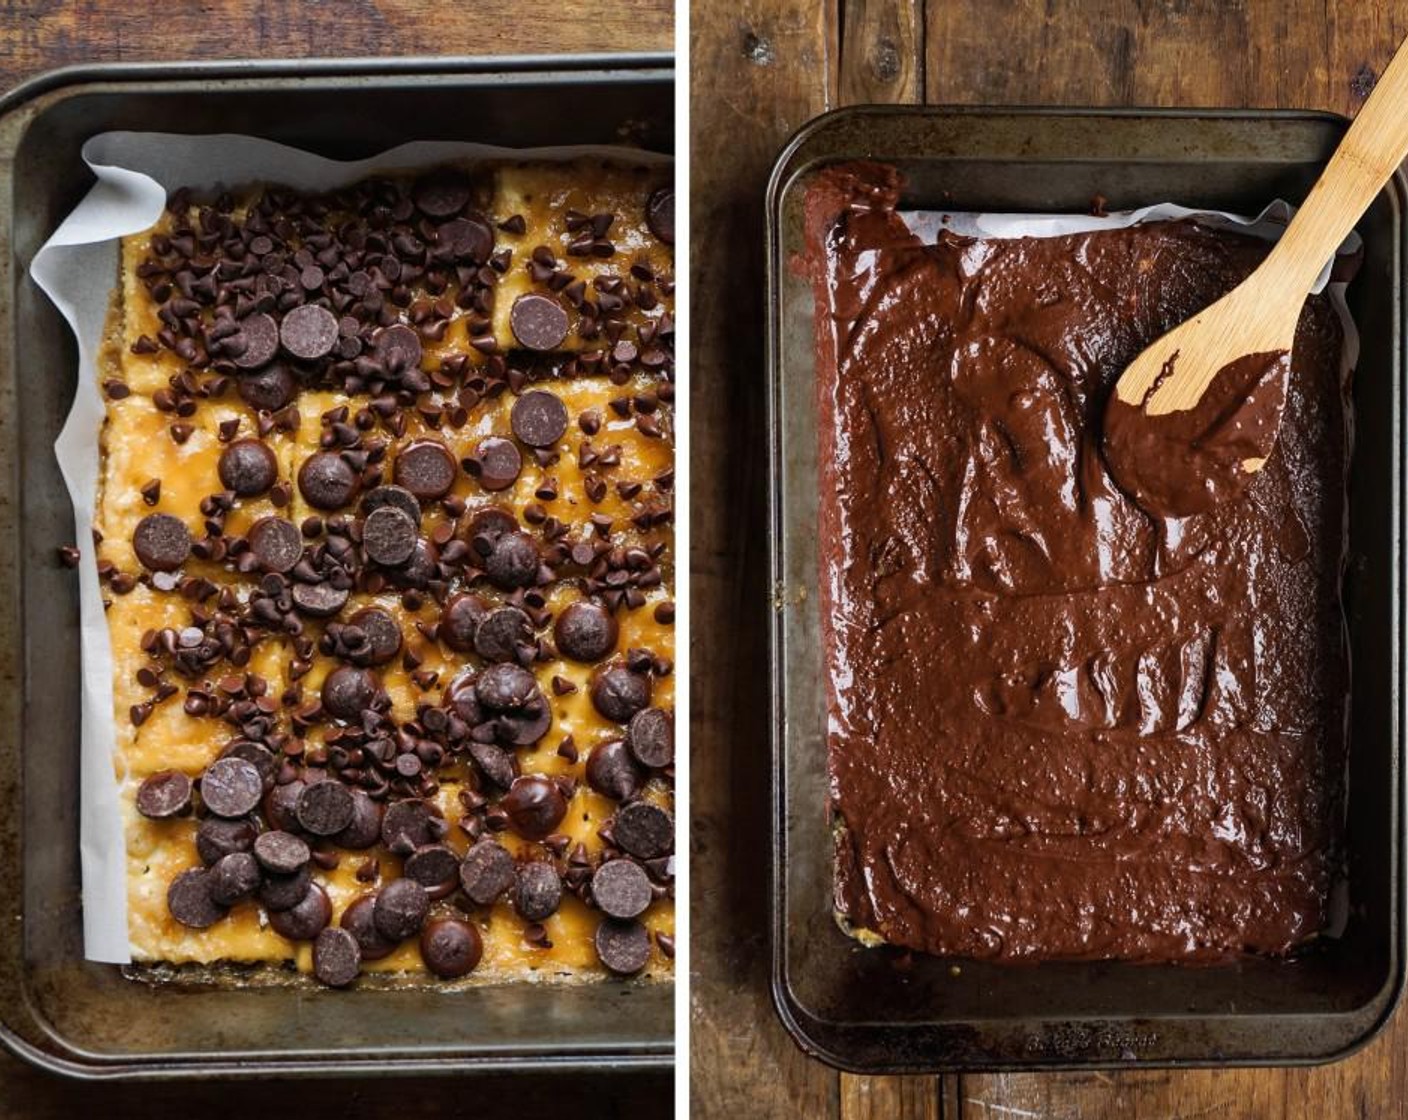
(883, 1011)
(86, 1019)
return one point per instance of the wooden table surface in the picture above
(37, 35)
(762, 68)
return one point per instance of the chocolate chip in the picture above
(623, 947)
(282, 892)
(269, 389)
(538, 419)
(514, 561)
(398, 348)
(660, 214)
(337, 958)
(525, 727)
(309, 332)
(499, 463)
(501, 633)
(382, 632)
(431, 866)
(233, 878)
(621, 888)
(644, 830)
(358, 920)
(397, 497)
(401, 909)
(281, 805)
(217, 838)
(189, 900)
(450, 947)
(306, 918)
(462, 699)
(365, 827)
(459, 621)
(281, 852)
(538, 892)
(486, 871)
(586, 631)
(248, 467)
(535, 806)
(618, 693)
(165, 794)
(441, 194)
(411, 824)
(651, 737)
(276, 543)
(494, 762)
(506, 687)
(256, 342)
(325, 808)
(348, 692)
(162, 542)
(231, 787)
(257, 755)
(490, 523)
(388, 536)
(326, 481)
(426, 469)
(420, 569)
(319, 600)
(538, 322)
(612, 772)
(466, 239)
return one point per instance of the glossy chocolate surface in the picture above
(1060, 726)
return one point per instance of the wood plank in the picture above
(1197, 52)
(882, 52)
(890, 1098)
(1159, 1095)
(37, 35)
(761, 68)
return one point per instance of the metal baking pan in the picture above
(88, 1020)
(853, 1007)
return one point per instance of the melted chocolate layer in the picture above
(1060, 726)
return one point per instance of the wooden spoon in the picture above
(1194, 417)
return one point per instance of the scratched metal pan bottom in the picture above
(852, 1007)
(88, 1020)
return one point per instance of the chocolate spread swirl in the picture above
(1060, 726)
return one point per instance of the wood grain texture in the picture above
(36, 36)
(885, 1098)
(882, 56)
(761, 68)
(1321, 54)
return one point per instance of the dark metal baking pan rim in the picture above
(907, 1038)
(258, 1067)
(319, 69)
(556, 1057)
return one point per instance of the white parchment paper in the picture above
(78, 269)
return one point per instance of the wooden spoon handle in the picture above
(1372, 149)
